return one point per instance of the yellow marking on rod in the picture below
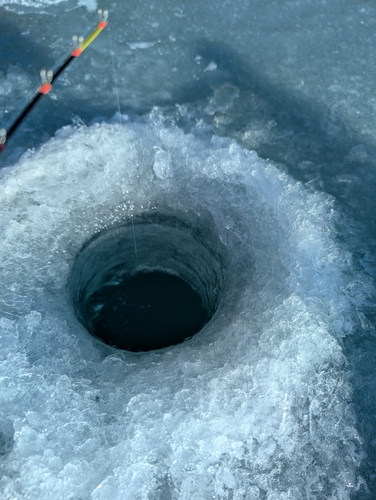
(91, 37)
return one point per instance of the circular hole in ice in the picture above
(148, 283)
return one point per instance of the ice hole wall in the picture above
(148, 283)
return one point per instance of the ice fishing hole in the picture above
(149, 283)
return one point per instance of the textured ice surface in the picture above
(91, 5)
(293, 81)
(258, 405)
(30, 3)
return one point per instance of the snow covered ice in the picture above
(274, 155)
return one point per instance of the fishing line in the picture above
(134, 240)
(114, 73)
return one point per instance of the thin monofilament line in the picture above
(114, 73)
(134, 241)
(118, 107)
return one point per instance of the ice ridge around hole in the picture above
(257, 405)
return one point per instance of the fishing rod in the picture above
(48, 77)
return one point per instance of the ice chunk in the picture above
(211, 66)
(91, 5)
(140, 45)
(162, 164)
(222, 99)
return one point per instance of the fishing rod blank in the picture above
(48, 77)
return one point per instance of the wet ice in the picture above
(274, 398)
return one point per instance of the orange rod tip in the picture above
(76, 52)
(45, 88)
(102, 25)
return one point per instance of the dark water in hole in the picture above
(147, 311)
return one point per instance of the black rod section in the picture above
(49, 77)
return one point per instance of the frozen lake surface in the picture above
(252, 125)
